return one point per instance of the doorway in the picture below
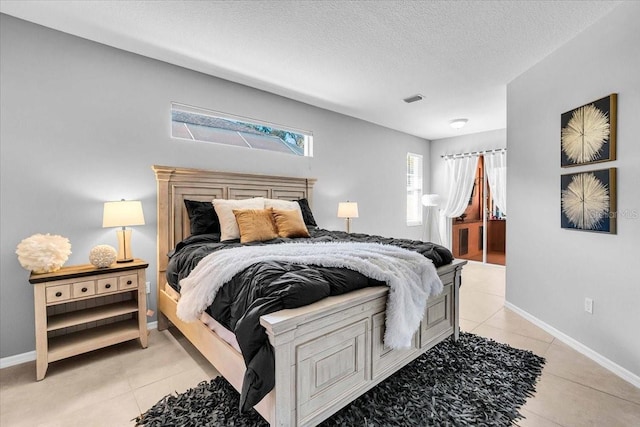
(479, 234)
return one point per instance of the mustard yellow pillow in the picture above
(289, 223)
(255, 225)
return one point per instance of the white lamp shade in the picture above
(123, 213)
(430, 200)
(348, 210)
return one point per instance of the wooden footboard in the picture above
(331, 352)
(327, 353)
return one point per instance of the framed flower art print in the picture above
(588, 201)
(588, 133)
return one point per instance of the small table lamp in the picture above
(348, 210)
(121, 214)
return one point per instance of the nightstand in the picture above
(83, 308)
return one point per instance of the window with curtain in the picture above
(414, 189)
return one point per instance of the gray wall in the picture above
(550, 270)
(82, 123)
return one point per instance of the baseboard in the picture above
(579, 347)
(30, 356)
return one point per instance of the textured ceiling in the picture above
(359, 58)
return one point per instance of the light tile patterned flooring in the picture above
(112, 386)
(573, 390)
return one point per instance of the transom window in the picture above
(202, 125)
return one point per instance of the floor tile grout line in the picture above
(592, 388)
(517, 333)
(171, 393)
(545, 418)
(496, 327)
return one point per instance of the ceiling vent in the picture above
(413, 98)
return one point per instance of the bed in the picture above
(327, 353)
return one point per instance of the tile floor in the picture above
(110, 387)
(573, 390)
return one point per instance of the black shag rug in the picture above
(472, 382)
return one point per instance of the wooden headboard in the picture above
(177, 184)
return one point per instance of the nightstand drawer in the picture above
(84, 289)
(107, 285)
(58, 293)
(130, 281)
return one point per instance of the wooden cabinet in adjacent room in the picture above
(467, 240)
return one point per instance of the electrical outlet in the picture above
(588, 305)
(148, 287)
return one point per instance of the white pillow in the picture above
(224, 208)
(283, 205)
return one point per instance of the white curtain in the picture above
(496, 166)
(461, 172)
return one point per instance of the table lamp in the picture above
(348, 210)
(122, 214)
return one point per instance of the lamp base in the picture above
(124, 246)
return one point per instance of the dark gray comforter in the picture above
(268, 287)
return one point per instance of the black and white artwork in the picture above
(588, 133)
(588, 201)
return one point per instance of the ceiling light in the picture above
(414, 98)
(458, 123)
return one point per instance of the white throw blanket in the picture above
(411, 277)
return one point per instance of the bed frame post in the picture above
(163, 176)
(457, 281)
(283, 413)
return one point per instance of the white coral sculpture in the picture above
(102, 256)
(43, 253)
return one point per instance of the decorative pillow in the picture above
(202, 217)
(224, 208)
(281, 204)
(307, 215)
(256, 225)
(284, 205)
(289, 223)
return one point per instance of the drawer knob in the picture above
(84, 289)
(58, 294)
(129, 282)
(108, 285)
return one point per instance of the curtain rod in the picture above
(474, 153)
